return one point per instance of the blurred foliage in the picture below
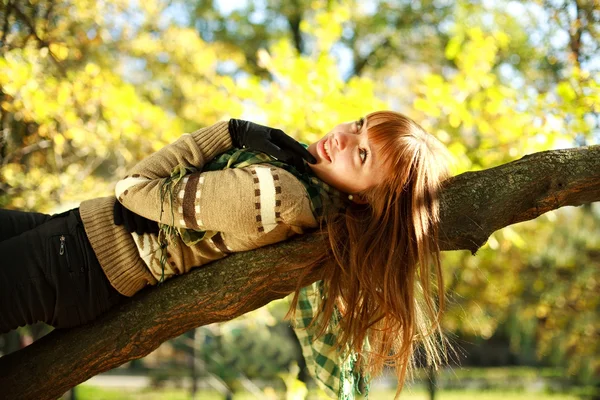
(88, 391)
(537, 284)
(88, 88)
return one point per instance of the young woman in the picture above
(371, 187)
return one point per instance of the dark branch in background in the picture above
(25, 19)
(393, 42)
(575, 29)
(584, 21)
(47, 16)
(474, 205)
(23, 151)
(41, 42)
(7, 12)
(361, 62)
(294, 20)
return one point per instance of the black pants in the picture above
(49, 272)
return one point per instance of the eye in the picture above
(363, 152)
(360, 123)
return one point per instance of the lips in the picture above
(321, 148)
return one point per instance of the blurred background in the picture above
(87, 88)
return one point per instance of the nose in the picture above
(342, 140)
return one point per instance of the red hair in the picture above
(382, 269)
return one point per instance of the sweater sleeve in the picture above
(190, 150)
(250, 201)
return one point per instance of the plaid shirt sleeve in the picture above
(331, 370)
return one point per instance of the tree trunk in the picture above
(474, 205)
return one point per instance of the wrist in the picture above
(235, 127)
(213, 140)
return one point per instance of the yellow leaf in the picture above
(454, 120)
(59, 143)
(453, 46)
(59, 50)
(566, 92)
(427, 107)
(92, 69)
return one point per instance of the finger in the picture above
(150, 226)
(273, 150)
(140, 227)
(290, 144)
(129, 220)
(153, 227)
(234, 131)
(299, 164)
(145, 224)
(117, 216)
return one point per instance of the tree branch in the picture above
(474, 205)
(361, 62)
(41, 42)
(294, 19)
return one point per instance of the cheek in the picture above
(344, 171)
(345, 163)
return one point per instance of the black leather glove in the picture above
(132, 221)
(274, 142)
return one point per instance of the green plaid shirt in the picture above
(332, 369)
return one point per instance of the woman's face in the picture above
(345, 158)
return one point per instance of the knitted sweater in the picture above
(241, 209)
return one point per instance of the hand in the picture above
(132, 221)
(274, 142)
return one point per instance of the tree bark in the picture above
(474, 205)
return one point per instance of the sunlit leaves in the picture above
(327, 23)
(81, 118)
(102, 84)
(306, 87)
(477, 108)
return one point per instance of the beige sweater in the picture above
(241, 209)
